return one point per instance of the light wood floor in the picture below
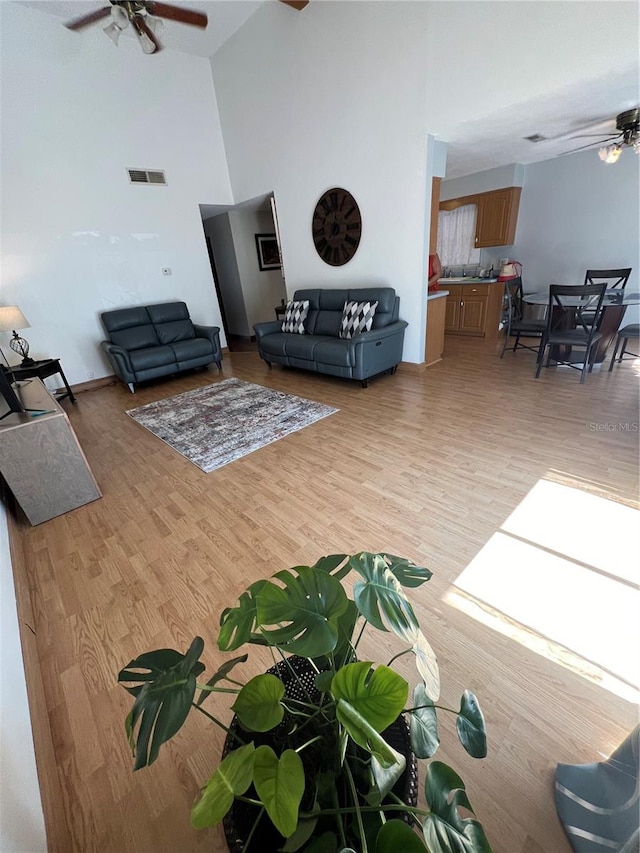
(427, 466)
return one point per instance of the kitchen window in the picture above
(456, 236)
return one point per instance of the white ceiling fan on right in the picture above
(612, 145)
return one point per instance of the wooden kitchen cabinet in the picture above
(497, 215)
(473, 309)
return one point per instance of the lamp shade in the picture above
(11, 317)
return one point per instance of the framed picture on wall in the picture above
(268, 255)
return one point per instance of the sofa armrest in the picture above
(119, 360)
(269, 328)
(378, 334)
(212, 334)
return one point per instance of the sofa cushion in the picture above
(357, 317)
(168, 312)
(177, 330)
(275, 343)
(144, 359)
(194, 348)
(135, 338)
(328, 323)
(294, 317)
(334, 352)
(297, 346)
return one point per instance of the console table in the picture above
(42, 369)
(41, 459)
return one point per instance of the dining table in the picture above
(614, 305)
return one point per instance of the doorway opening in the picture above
(247, 272)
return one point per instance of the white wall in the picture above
(335, 96)
(21, 818)
(577, 213)
(262, 289)
(77, 238)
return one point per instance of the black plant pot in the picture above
(298, 678)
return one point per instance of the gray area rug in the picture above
(219, 423)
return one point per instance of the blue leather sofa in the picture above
(148, 341)
(321, 350)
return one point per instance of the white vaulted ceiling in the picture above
(483, 128)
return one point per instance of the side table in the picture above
(280, 310)
(41, 370)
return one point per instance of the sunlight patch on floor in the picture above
(561, 578)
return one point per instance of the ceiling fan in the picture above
(628, 135)
(145, 18)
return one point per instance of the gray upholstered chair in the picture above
(148, 341)
(631, 331)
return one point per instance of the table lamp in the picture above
(12, 318)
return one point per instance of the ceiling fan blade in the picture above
(588, 145)
(594, 135)
(175, 13)
(296, 4)
(91, 18)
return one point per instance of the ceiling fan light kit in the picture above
(145, 16)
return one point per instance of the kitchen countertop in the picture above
(467, 280)
(437, 294)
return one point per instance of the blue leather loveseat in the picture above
(320, 348)
(148, 341)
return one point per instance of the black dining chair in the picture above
(515, 323)
(631, 331)
(614, 279)
(566, 326)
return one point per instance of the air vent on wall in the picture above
(147, 176)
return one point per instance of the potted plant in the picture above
(322, 748)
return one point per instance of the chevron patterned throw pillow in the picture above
(294, 317)
(357, 317)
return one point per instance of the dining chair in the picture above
(515, 323)
(614, 279)
(630, 331)
(567, 327)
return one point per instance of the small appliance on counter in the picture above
(510, 270)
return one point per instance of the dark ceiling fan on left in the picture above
(145, 16)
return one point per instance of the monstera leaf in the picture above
(380, 599)
(365, 735)
(378, 695)
(231, 779)
(280, 786)
(163, 699)
(258, 704)
(237, 624)
(427, 665)
(310, 602)
(470, 726)
(333, 565)
(424, 724)
(407, 572)
(445, 831)
(396, 836)
(219, 675)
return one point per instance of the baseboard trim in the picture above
(412, 367)
(53, 805)
(92, 384)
